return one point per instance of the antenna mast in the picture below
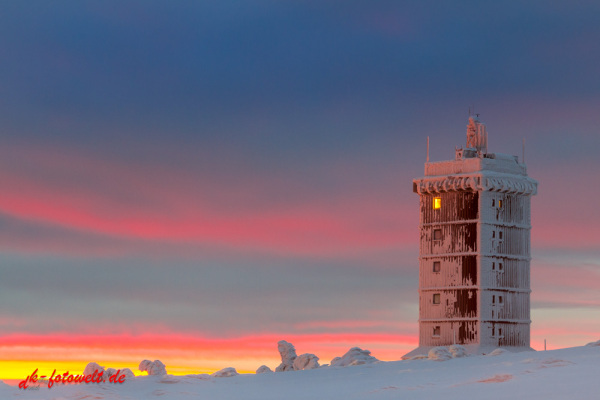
(427, 148)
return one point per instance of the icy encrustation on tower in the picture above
(474, 249)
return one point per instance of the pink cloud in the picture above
(175, 206)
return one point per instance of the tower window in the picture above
(493, 299)
(493, 266)
(437, 266)
(499, 203)
(493, 202)
(436, 331)
(500, 266)
(437, 234)
(436, 298)
(493, 234)
(437, 203)
(500, 235)
(500, 299)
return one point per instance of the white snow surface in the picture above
(556, 374)
(497, 352)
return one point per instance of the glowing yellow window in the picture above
(437, 202)
(499, 203)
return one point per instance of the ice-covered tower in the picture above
(474, 249)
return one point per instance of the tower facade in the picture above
(474, 256)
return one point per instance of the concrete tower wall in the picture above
(474, 249)
(505, 269)
(448, 279)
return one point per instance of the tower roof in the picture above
(475, 169)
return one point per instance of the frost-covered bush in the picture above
(262, 369)
(288, 355)
(354, 356)
(125, 371)
(439, 354)
(225, 373)
(306, 361)
(457, 351)
(155, 367)
(91, 368)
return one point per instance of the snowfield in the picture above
(572, 373)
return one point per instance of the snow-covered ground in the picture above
(572, 373)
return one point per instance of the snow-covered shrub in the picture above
(457, 351)
(110, 372)
(225, 373)
(306, 361)
(91, 367)
(155, 367)
(262, 369)
(128, 374)
(288, 355)
(594, 343)
(354, 356)
(125, 371)
(439, 354)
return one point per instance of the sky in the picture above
(195, 181)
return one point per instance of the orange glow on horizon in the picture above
(182, 354)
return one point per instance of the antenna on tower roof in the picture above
(427, 148)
